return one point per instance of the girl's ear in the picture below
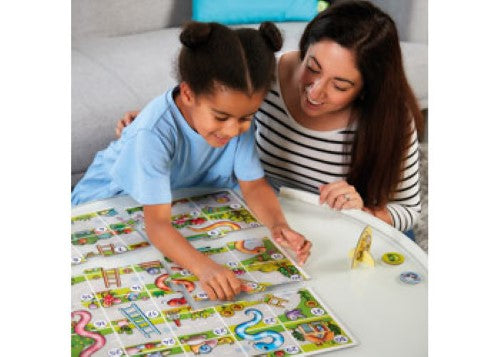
(186, 93)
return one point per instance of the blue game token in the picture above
(410, 277)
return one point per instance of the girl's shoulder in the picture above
(157, 117)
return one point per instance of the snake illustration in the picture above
(232, 225)
(162, 281)
(240, 246)
(99, 339)
(240, 330)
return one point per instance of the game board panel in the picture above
(221, 346)
(76, 257)
(85, 222)
(216, 199)
(100, 346)
(184, 205)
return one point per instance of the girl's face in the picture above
(329, 80)
(221, 116)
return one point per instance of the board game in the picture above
(157, 308)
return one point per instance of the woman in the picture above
(341, 119)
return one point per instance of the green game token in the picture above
(393, 258)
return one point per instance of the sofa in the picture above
(123, 54)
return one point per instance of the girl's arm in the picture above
(263, 202)
(217, 281)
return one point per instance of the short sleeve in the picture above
(247, 163)
(142, 168)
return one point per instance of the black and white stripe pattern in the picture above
(298, 157)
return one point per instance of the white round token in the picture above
(152, 314)
(220, 331)
(115, 352)
(340, 339)
(121, 249)
(100, 323)
(317, 311)
(86, 297)
(168, 341)
(293, 350)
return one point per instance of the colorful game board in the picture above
(133, 311)
(156, 308)
(117, 230)
(258, 262)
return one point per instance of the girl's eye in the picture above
(246, 118)
(221, 118)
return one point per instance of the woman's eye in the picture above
(340, 88)
(312, 70)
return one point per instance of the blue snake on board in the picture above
(240, 330)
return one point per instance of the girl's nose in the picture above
(231, 129)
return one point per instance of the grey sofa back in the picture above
(125, 17)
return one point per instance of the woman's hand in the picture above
(125, 121)
(287, 237)
(340, 195)
(216, 280)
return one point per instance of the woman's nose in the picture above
(314, 90)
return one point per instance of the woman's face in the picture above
(329, 80)
(221, 116)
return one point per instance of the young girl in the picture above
(197, 134)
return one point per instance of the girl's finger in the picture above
(210, 292)
(226, 287)
(219, 292)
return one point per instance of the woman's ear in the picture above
(186, 93)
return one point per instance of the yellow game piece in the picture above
(361, 254)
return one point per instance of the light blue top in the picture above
(160, 152)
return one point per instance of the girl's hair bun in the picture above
(195, 34)
(272, 35)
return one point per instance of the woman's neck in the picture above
(288, 68)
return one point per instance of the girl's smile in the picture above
(220, 116)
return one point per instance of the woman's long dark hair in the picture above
(388, 110)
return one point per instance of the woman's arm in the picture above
(263, 202)
(217, 281)
(405, 205)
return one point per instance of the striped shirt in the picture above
(297, 157)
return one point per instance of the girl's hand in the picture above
(217, 281)
(125, 121)
(287, 237)
(340, 195)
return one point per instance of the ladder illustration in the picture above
(151, 264)
(106, 248)
(110, 277)
(137, 317)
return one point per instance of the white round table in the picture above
(388, 317)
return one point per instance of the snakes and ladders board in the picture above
(142, 318)
(156, 308)
(119, 229)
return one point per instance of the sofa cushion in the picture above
(111, 75)
(255, 11)
(124, 17)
